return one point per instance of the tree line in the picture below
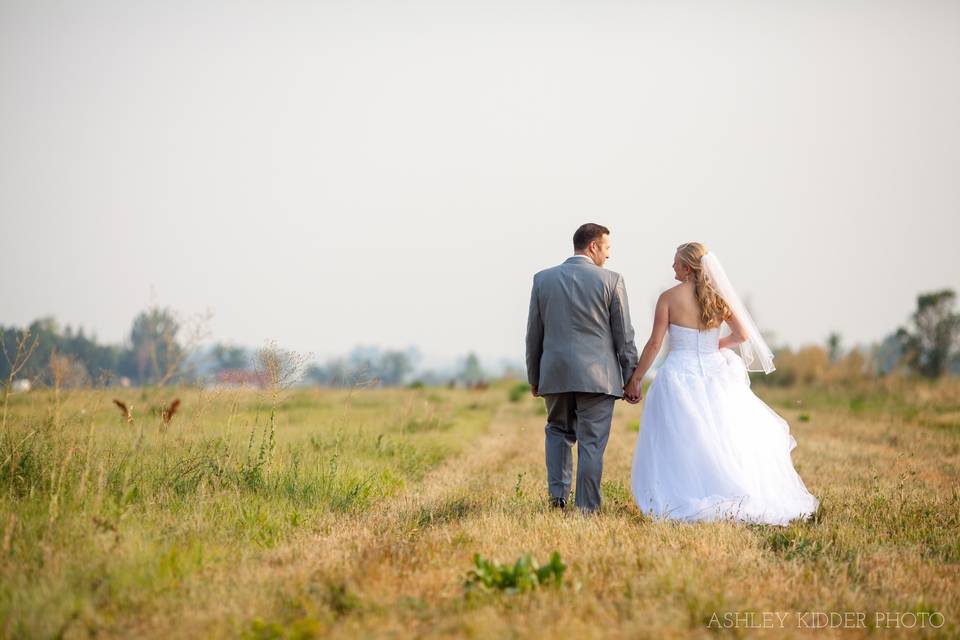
(928, 345)
(161, 348)
(153, 353)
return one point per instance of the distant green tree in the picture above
(47, 333)
(834, 348)
(888, 355)
(472, 372)
(394, 367)
(335, 373)
(9, 337)
(364, 366)
(929, 344)
(154, 347)
(99, 361)
(226, 356)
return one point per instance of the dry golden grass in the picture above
(393, 564)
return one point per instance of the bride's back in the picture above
(683, 307)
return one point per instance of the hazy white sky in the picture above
(393, 173)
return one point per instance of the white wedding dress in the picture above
(709, 448)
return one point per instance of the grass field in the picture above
(358, 513)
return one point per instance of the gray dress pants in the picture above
(584, 419)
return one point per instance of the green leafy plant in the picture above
(518, 391)
(523, 575)
(518, 487)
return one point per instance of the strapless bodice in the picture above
(688, 339)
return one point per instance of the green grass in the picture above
(100, 516)
(362, 513)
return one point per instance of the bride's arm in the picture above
(661, 318)
(739, 333)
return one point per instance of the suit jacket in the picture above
(579, 336)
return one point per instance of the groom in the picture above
(580, 353)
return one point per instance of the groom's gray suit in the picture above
(580, 352)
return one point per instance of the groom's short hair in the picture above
(586, 234)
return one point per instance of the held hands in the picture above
(633, 390)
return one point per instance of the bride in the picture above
(709, 448)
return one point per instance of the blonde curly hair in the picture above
(713, 308)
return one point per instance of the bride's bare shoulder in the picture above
(677, 289)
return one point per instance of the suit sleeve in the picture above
(534, 338)
(622, 330)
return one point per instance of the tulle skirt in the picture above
(710, 449)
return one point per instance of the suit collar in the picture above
(579, 259)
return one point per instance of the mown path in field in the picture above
(397, 569)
